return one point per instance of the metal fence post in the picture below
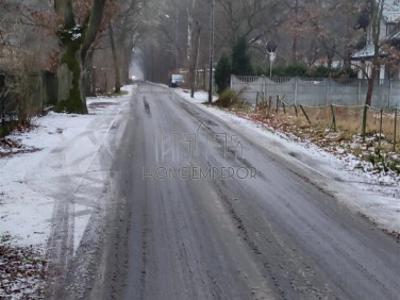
(264, 83)
(327, 91)
(380, 132)
(395, 130)
(296, 87)
(389, 92)
(2, 100)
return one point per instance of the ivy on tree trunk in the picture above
(75, 101)
(75, 41)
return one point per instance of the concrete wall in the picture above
(317, 92)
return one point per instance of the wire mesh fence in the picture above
(381, 126)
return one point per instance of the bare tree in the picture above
(376, 19)
(115, 58)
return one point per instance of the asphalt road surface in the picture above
(204, 212)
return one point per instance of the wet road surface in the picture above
(203, 212)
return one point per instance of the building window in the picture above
(391, 28)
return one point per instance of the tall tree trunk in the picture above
(347, 58)
(376, 30)
(126, 41)
(294, 48)
(126, 45)
(330, 54)
(125, 67)
(190, 47)
(296, 33)
(69, 70)
(75, 42)
(64, 10)
(69, 76)
(371, 82)
(348, 49)
(194, 57)
(89, 75)
(115, 59)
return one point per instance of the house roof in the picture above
(369, 51)
(366, 52)
(391, 11)
(391, 14)
(395, 36)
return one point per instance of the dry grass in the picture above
(319, 129)
(388, 122)
(348, 120)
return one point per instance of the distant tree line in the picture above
(314, 38)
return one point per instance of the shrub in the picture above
(343, 74)
(289, 71)
(223, 74)
(241, 64)
(227, 99)
(320, 72)
(296, 70)
(301, 70)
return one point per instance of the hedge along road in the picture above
(204, 212)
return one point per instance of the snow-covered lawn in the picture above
(68, 145)
(374, 195)
(66, 168)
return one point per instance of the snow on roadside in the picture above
(352, 181)
(23, 271)
(200, 96)
(66, 166)
(69, 144)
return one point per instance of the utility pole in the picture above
(212, 42)
(270, 48)
(270, 66)
(272, 57)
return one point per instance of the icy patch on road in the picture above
(351, 180)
